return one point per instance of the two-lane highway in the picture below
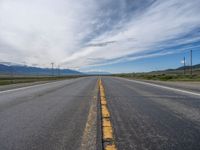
(65, 115)
(147, 117)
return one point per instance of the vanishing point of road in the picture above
(66, 115)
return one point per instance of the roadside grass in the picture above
(161, 77)
(5, 80)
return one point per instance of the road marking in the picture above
(103, 102)
(106, 122)
(107, 130)
(27, 87)
(165, 87)
(110, 147)
(107, 134)
(105, 112)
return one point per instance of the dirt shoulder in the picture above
(186, 85)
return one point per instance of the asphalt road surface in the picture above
(63, 115)
(46, 117)
(147, 117)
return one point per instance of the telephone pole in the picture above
(184, 65)
(52, 64)
(58, 70)
(12, 74)
(190, 62)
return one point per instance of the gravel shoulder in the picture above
(190, 86)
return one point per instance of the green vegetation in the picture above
(5, 80)
(167, 75)
(164, 75)
(161, 76)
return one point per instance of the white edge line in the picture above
(27, 87)
(164, 87)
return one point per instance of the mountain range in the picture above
(179, 70)
(28, 70)
(188, 67)
(18, 69)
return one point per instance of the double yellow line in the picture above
(107, 130)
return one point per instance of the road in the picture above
(151, 118)
(64, 115)
(46, 117)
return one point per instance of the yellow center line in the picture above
(107, 130)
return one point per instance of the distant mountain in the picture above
(179, 69)
(97, 73)
(188, 67)
(28, 70)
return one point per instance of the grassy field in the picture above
(5, 80)
(164, 76)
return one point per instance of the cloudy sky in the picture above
(110, 35)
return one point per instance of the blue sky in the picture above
(151, 64)
(107, 35)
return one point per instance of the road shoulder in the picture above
(187, 86)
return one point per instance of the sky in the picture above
(100, 35)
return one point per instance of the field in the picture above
(164, 75)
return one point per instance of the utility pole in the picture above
(58, 70)
(184, 65)
(12, 74)
(52, 64)
(190, 62)
(38, 72)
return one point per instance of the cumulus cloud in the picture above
(91, 32)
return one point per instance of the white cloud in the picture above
(42, 31)
(90, 32)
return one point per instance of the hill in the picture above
(179, 70)
(167, 75)
(195, 67)
(97, 73)
(28, 70)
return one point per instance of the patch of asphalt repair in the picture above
(91, 139)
